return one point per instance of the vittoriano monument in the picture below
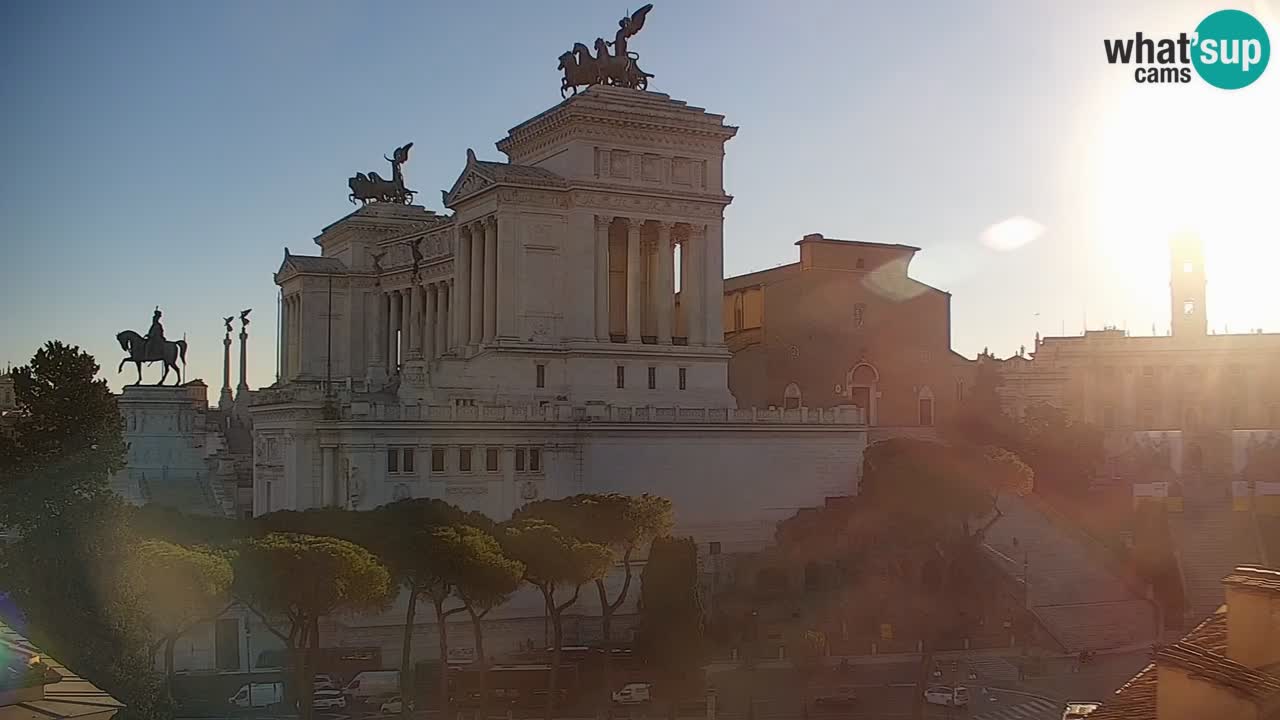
(372, 188)
(153, 347)
(619, 69)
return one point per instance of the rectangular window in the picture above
(437, 459)
(715, 548)
(653, 378)
(622, 377)
(683, 378)
(464, 459)
(491, 459)
(519, 459)
(399, 459)
(542, 376)
(535, 459)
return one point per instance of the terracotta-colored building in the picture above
(846, 325)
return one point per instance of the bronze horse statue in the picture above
(372, 188)
(135, 345)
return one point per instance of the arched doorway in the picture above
(864, 381)
(791, 399)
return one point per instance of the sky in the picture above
(161, 153)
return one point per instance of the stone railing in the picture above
(362, 410)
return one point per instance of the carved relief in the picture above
(619, 165)
(650, 168)
(637, 204)
(529, 491)
(536, 198)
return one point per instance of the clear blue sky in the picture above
(166, 153)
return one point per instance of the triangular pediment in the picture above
(474, 179)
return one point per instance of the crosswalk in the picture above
(1030, 709)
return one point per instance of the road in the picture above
(887, 690)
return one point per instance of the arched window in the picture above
(791, 397)
(738, 312)
(861, 264)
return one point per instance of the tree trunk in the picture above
(406, 655)
(443, 632)
(477, 630)
(169, 642)
(606, 633)
(557, 632)
(302, 678)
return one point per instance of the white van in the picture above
(372, 684)
(256, 695)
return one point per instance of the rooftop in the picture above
(1253, 576)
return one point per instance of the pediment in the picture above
(473, 179)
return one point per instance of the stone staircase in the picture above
(1080, 601)
(1211, 540)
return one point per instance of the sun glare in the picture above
(1191, 159)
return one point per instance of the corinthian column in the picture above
(429, 323)
(490, 279)
(393, 339)
(633, 280)
(461, 298)
(713, 290)
(665, 305)
(691, 290)
(413, 330)
(475, 324)
(602, 277)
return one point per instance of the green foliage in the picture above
(180, 586)
(620, 521)
(307, 576)
(66, 577)
(155, 522)
(671, 635)
(63, 572)
(554, 558)
(483, 576)
(302, 578)
(67, 442)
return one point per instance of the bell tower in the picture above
(1187, 286)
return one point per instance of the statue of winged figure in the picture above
(372, 188)
(619, 69)
(227, 321)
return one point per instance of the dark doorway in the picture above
(226, 642)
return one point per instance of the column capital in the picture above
(490, 222)
(665, 225)
(603, 221)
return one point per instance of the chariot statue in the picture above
(372, 188)
(153, 347)
(619, 68)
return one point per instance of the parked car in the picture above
(324, 682)
(633, 694)
(255, 695)
(839, 697)
(1079, 710)
(328, 699)
(393, 706)
(373, 685)
(946, 695)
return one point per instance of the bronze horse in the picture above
(171, 351)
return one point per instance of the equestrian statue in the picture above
(619, 69)
(372, 188)
(153, 347)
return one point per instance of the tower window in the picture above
(683, 377)
(542, 376)
(861, 264)
(622, 377)
(1189, 308)
(1188, 266)
(653, 378)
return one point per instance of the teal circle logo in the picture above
(1231, 49)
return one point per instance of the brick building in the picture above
(846, 325)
